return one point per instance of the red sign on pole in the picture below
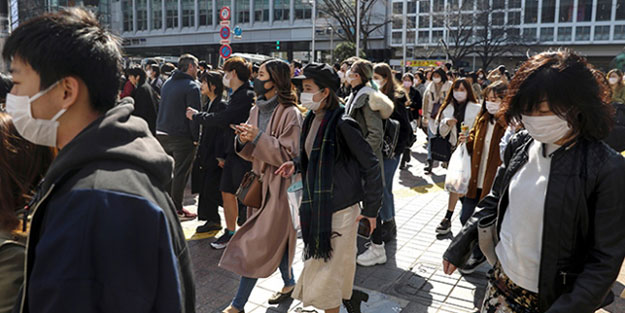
(225, 51)
(224, 14)
(224, 32)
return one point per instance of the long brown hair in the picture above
(391, 89)
(280, 75)
(450, 96)
(620, 84)
(499, 88)
(22, 165)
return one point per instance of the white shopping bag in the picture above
(294, 194)
(459, 171)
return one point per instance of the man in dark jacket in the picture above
(178, 135)
(104, 235)
(146, 99)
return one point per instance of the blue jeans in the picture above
(387, 212)
(247, 284)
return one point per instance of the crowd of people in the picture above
(93, 174)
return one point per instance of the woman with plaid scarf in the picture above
(334, 161)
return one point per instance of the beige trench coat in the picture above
(256, 249)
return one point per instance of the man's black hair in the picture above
(156, 69)
(297, 64)
(70, 42)
(5, 86)
(137, 71)
(150, 62)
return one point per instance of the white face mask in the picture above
(226, 81)
(407, 84)
(348, 78)
(307, 100)
(436, 80)
(38, 131)
(493, 107)
(460, 96)
(379, 82)
(546, 129)
(613, 80)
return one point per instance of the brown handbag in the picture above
(250, 190)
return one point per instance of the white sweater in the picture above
(521, 235)
(470, 116)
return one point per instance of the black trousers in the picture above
(183, 151)
(210, 196)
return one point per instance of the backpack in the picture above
(391, 136)
(616, 139)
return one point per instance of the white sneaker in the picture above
(376, 254)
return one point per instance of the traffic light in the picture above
(277, 44)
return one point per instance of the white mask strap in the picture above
(43, 92)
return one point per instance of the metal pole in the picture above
(331, 45)
(358, 28)
(314, 27)
(403, 38)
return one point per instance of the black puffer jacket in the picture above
(583, 234)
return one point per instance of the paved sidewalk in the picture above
(411, 281)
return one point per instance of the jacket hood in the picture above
(115, 136)
(377, 101)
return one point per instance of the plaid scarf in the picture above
(317, 177)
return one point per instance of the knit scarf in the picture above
(317, 177)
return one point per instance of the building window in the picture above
(514, 4)
(546, 34)
(582, 33)
(281, 10)
(498, 18)
(127, 17)
(412, 7)
(303, 10)
(439, 6)
(566, 10)
(157, 14)
(172, 13)
(398, 22)
(424, 6)
(142, 14)
(584, 10)
(398, 8)
(549, 9)
(410, 37)
(410, 22)
(396, 38)
(499, 4)
(242, 11)
(620, 10)
(261, 10)
(188, 13)
(602, 33)
(424, 36)
(206, 12)
(529, 34)
(531, 11)
(437, 35)
(424, 21)
(619, 32)
(604, 10)
(514, 18)
(438, 20)
(564, 33)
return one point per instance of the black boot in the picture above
(428, 169)
(353, 305)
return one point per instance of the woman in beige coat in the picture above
(268, 139)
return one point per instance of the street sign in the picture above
(225, 23)
(224, 14)
(224, 42)
(238, 31)
(225, 51)
(224, 32)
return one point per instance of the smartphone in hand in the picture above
(364, 228)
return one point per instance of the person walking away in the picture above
(459, 110)
(22, 166)
(483, 146)
(435, 95)
(146, 100)
(557, 199)
(154, 78)
(207, 170)
(383, 77)
(101, 220)
(178, 135)
(236, 75)
(268, 139)
(333, 152)
(617, 85)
